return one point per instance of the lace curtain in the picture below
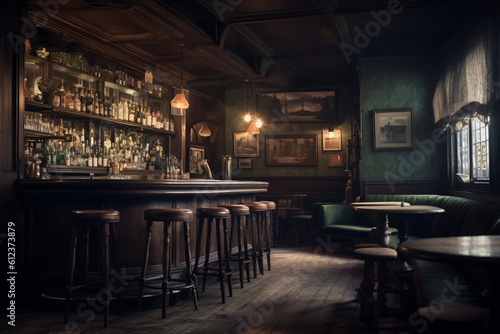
(466, 87)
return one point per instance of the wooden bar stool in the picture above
(83, 220)
(381, 255)
(267, 228)
(239, 213)
(256, 221)
(223, 270)
(188, 282)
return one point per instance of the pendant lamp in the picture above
(204, 130)
(179, 101)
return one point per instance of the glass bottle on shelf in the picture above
(90, 102)
(78, 105)
(125, 111)
(114, 110)
(120, 110)
(83, 101)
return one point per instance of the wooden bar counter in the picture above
(45, 218)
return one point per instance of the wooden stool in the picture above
(257, 218)
(223, 269)
(168, 216)
(238, 226)
(267, 228)
(104, 220)
(382, 255)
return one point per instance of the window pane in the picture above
(480, 150)
(463, 151)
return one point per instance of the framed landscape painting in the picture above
(393, 129)
(292, 150)
(246, 145)
(314, 106)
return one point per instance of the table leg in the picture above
(404, 273)
(383, 235)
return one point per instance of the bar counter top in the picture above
(133, 187)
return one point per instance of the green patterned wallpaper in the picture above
(235, 110)
(401, 82)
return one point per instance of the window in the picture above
(473, 153)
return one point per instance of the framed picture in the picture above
(332, 143)
(195, 153)
(245, 163)
(246, 145)
(336, 160)
(292, 150)
(393, 129)
(298, 106)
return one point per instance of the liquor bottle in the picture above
(96, 103)
(90, 102)
(104, 154)
(114, 110)
(120, 110)
(107, 107)
(99, 155)
(78, 105)
(70, 103)
(148, 118)
(62, 95)
(143, 115)
(138, 114)
(94, 157)
(101, 107)
(83, 101)
(153, 119)
(131, 113)
(125, 111)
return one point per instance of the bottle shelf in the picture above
(41, 135)
(37, 106)
(73, 114)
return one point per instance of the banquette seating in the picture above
(462, 217)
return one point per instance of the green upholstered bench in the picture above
(462, 217)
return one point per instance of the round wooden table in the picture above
(481, 250)
(356, 204)
(383, 211)
(403, 270)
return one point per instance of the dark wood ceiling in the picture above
(283, 43)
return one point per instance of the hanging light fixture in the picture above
(255, 122)
(205, 130)
(179, 101)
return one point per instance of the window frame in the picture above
(474, 185)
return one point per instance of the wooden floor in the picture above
(307, 291)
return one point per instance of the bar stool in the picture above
(257, 218)
(267, 228)
(223, 269)
(84, 219)
(382, 255)
(188, 282)
(239, 213)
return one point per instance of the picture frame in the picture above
(292, 150)
(246, 145)
(245, 163)
(309, 106)
(393, 129)
(335, 160)
(334, 143)
(195, 153)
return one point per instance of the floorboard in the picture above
(307, 291)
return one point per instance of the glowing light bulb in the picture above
(330, 135)
(248, 118)
(258, 123)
